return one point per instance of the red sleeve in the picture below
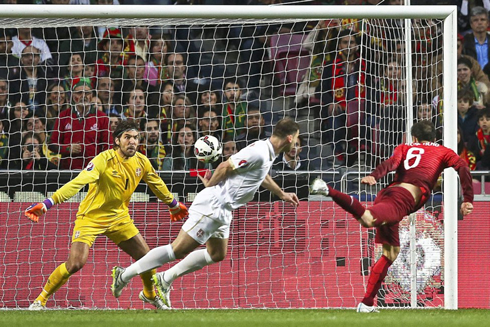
(464, 175)
(106, 135)
(55, 139)
(389, 165)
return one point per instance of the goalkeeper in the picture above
(113, 175)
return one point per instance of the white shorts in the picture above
(201, 228)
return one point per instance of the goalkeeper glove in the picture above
(177, 211)
(34, 211)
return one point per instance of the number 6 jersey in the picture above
(421, 164)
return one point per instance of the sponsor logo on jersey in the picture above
(90, 166)
(68, 126)
(94, 127)
(138, 171)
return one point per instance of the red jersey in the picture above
(91, 131)
(421, 164)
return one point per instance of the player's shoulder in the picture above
(107, 155)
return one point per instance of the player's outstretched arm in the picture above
(36, 210)
(466, 208)
(368, 180)
(272, 186)
(221, 173)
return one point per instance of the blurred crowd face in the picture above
(32, 146)
(57, 95)
(82, 97)
(484, 123)
(181, 109)
(393, 71)
(114, 46)
(463, 106)
(152, 132)
(139, 33)
(5, 44)
(255, 122)
(3, 92)
(98, 104)
(464, 73)
(113, 122)
(168, 94)
(209, 122)
(159, 49)
(20, 110)
(232, 92)
(76, 65)
(185, 138)
(229, 149)
(424, 111)
(86, 31)
(175, 65)
(348, 45)
(35, 124)
(30, 56)
(479, 23)
(136, 102)
(105, 89)
(209, 98)
(136, 69)
(295, 150)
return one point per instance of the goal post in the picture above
(316, 256)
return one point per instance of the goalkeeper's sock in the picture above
(57, 279)
(153, 259)
(194, 261)
(347, 202)
(378, 274)
(148, 289)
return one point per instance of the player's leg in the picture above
(389, 237)
(76, 260)
(137, 247)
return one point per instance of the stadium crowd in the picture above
(63, 90)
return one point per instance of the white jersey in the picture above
(251, 165)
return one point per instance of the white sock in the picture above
(153, 259)
(194, 261)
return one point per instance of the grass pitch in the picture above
(239, 318)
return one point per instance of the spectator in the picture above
(112, 60)
(4, 97)
(4, 143)
(82, 131)
(478, 142)
(254, 126)
(55, 103)
(36, 124)
(208, 124)
(183, 114)
(82, 40)
(343, 80)
(135, 108)
(290, 160)
(24, 39)
(114, 120)
(229, 149)
(463, 151)
(75, 68)
(138, 42)
(476, 44)
(135, 77)
(151, 146)
(234, 111)
(32, 155)
(467, 114)
(177, 68)
(166, 99)
(106, 94)
(208, 100)
(156, 71)
(33, 78)
(9, 64)
(182, 151)
(467, 80)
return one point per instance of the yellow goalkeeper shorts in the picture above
(87, 230)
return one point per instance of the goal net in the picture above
(351, 76)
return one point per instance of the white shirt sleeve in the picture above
(247, 158)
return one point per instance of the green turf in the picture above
(248, 318)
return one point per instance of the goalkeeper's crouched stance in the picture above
(113, 176)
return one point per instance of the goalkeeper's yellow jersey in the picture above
(112, 180)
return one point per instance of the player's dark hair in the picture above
(424, 130)
(122, 127)
(285, 127)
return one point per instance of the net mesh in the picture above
(343, 80)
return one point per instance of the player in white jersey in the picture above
(232, 185)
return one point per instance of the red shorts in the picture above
(392, 204)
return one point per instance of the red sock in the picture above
(378, 274)
(347, 202)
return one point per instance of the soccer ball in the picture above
(208, 149)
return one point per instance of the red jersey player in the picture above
(417, 166)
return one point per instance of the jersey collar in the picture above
(272, 154)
